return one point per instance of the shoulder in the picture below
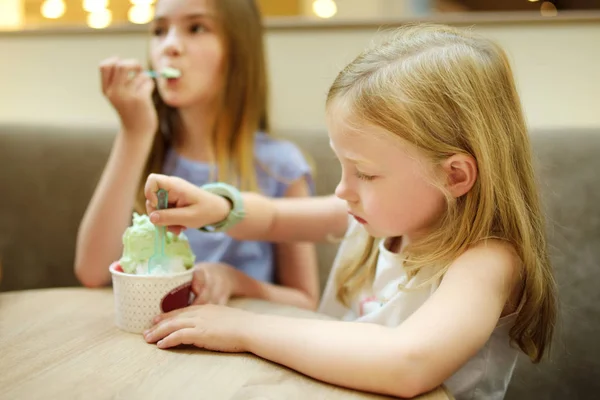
(280, 160)
(497, 251)
(491, 257)
(493, 264)
(272, 150)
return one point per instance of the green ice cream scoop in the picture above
(139, 241)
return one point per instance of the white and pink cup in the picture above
(140, 298)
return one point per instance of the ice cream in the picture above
(170, 73)
(138, 247)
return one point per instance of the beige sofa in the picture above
(48, 175)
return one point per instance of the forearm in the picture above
(310, 219)
(360, 356)
(298, 270)
(109, 212)
(247, 286)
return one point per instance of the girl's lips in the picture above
(358, 219)
(172, 81)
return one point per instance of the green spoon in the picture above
(159, 259)
(167, 72)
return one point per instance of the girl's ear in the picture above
(461, 173)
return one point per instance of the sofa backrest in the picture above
(48, 177)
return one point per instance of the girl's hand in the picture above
(213, 283)
(129, 91)
(211, 327)
(189, 205)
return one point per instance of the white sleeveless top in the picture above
(484, 376)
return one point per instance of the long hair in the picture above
(244, 102)
(449, 91)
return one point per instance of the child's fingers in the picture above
(135, 76)
(107, 72)
(215, 291)
(153, 183)
(202, 298)
(164, 329)
(173, 217)
(124, 70)
(203, 286)
(149, 207)
(169, 315)
(142, 84)
(145, 86)
(198, 280)
(175, 229)
(182, 336)
(158, 181)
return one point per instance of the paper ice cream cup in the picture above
(140, 298)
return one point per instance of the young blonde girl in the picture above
(209, 124)
(443, 274)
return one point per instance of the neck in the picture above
(394, 244)
(194, 133)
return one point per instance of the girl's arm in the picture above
(297, 269)
(308, 219)
(413, 358)
(407, 360)
(109, 212)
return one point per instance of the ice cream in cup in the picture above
(139, 295)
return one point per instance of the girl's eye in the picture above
(364, 177)
(196, 28)
(158, 31)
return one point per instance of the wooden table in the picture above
(63, 344)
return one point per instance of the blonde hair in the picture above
(243, 101)
(448, 91)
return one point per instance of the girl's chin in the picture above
(174, 101)
(376, 233)
(174, 98)
(180, 100)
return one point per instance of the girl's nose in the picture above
(344, 192)
(172, 44)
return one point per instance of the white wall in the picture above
(557, 68)
(54, 79)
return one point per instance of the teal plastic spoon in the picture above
(167, 72)
(159, 259)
